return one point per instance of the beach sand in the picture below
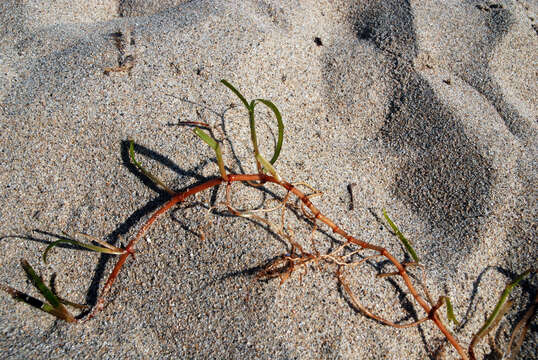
(429, 109)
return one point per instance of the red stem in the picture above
(432, 314)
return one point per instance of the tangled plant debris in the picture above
(348, 256)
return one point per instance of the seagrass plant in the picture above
(351, 253)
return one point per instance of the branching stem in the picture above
(316, 214)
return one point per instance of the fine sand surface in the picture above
(429, 107)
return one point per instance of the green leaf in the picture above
(251, 114)
(215, 146)
(40, 285)
(401, 237)
(267, 166)
(236, 92)
(43, 306)
(450, 311)
(206, 138)
(253, 136)
(54, 307)
(504, 296)
(30, 300)
(83, 245)
(73, 304)
(278, 116)
(252, 123)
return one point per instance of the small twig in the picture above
(194, 123)
(350, 189)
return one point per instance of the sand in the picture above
(430, 108)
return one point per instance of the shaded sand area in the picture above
(429, 109)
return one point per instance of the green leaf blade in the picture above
(267, 166)
(497, 311)
(206, 138)
(20, 296)
(215, 146)
(53, 307)
(36, 303)
(237, 93)
(280, 123)
(402, 238)
(250, 107)
(40, 285)
(450, 311)
(82, 245)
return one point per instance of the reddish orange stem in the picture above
(129, 250)
(262, 178)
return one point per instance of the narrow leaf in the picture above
(401, 237)
(40, 285)
(491, 325)
(220, 162)
(253, 137)
(236, 92)
(57, 309)
(32, 301)
(20, 296)
(206, 138)
(252, 122)
(215, 146)
(450, 312)
(504, 296)
(502, 306)
(73, 304)
(521, 328)
(36, 303)
(267, 166)
(278, 116)
(101, 242)
(250, 107)
(95, 248)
